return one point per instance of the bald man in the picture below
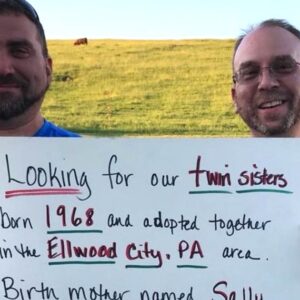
(266, 79)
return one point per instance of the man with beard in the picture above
(266, 80)
(25, 72)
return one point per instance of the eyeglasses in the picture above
(250, 72)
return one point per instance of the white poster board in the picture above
(141, 219)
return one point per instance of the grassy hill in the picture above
(116, 88)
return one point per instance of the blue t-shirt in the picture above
(50, 130)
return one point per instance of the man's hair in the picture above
(267, 23)
(24, 8)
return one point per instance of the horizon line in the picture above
(139, 39)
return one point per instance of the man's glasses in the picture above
(251, 71)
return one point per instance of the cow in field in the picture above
(83, 41)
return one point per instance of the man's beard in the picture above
(13, 105)
(252, 119)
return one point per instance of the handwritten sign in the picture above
(149, 219)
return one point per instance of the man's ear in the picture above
(49, 66)
(233, 97)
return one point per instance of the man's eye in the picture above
(283, 67)
(249, 73)
(20, 52)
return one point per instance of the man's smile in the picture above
(271, 104)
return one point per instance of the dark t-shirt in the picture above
(50, 130)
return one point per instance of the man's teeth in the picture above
(271, 104)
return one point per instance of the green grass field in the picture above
(149, 88)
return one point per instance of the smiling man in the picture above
(25, 73)
(266, 79)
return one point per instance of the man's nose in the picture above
(267, 79)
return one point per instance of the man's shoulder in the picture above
(51, 130)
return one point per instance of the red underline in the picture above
(39, 192)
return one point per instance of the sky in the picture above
(158, 19)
